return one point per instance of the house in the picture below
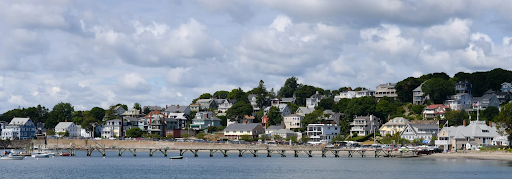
(293, 121)
(236, 131)
(420, 131)
(254, 104)
(181, 119)
(503, 97)
(288, 100)
(364, 125)
(224, 106)
(19, 128)
(284, 133)
(84, 132)
(485, 101)
(322, 133)
(118, 110)
(205, 104)
(364, 93)
(248, 119)
(204, 120)
(463, 87)
(72, 129)
(304, 110)
(506, 87)
(160, 123)
(393, 126)
(476, 134)
(345, 95)
(195, 107)
(434, 111)
(112, 128)
(283, 109)
(333, 118)
(178, 109)
(152, 108)
(273, 128)
(387, 90)
(461, 101)
(132, 113)
(418, 97)
(313, 101)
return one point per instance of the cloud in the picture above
(454, 33)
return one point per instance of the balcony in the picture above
(442, 142)
(358, 123)
(357, 129)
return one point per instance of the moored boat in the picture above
(12, 157)
(65, 154)
(176, 157)
(41, 155)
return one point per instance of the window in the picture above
(486, 131)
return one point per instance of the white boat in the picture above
(12, 157)
(40, 155)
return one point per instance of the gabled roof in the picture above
(424, 121)
(242, 126)
(251, 96)
(485, 97)
(284, 131)
(274, 127)
(63, 125)
(475, 129)
(152, 108)
(174, 108)
(306, 110)
(287, 100)
(434, 106)
(19, 121)
(204, 100)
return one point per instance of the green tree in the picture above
(293, 107)
(246, 137)
(50, 132)
(87, 123)
(304, 91)
(385, 108)
(146, 110)
(186, 136)
(505, 121)
(239, 110)
(289, 87)
(134, 132)
(418, 109)
(238, 95)
(110, 113)
(274, 116)
(490, 113)
(338, 138)
(264, 137)
(294, 139)
(61, 134)
(60, 113)
(136, 106)
(405, 87)
(277, 138)
(200, 136)
(311, 118)
(261, 94)
(205, 96)
(326, 103)
(438, 89)
(220, 94)
(455, 118)
(305, 139)
(97, 113)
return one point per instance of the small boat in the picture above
(65, 154)
(41, 155)
(176, 157)
(12, 157)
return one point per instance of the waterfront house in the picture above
(322, 133)
(293, 121)
(284, 133)
(476, 134)
(385, 90)
(178, 109)
(181, 119)
(69, 127)
(19, 128)
(112, 128)
(364, 125)
(273, 128)
(236, 131)
(418, 131)
(204, 120)
(434, 111)
(304, 110)
(393, 126)
(461, 101)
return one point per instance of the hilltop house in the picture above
(254, 104)
(353, 94)
(205, 104)
(463, 87)
(434, 111)
(204, 120)
(236, 131)
(418, 97)
(461, 101)
(293, 121)
(72, 129)
(313, 101)
(304, 110)
(132, 113)
(224, 106)
(178, 109)
(503, 97)
(283, 109)
(386, 90)
(19, 128)
(485, 101)
(506, 87)
(364, 125)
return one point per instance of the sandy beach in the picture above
(497, 155)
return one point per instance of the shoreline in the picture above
(498, 156)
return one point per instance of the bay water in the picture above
(158, 166)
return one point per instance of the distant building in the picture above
(283, 109)
(461, 101)
(284, 133)
(69, 127)
(463, 87)
(270, 129)
(506, 87)
(420, 131)
(205, 104)
(19, 128)
(393, 126)
(304, 110)
(178, 109)
(364, 125)
(435, 110)
(322, 133)
(476, 134)
(485, 101)
(236, 131)
(223, 107)
(313, 101)
(418, 97)
(353, 94)
(293, 121)
(386, 90)
(503, 97)
(204, 120)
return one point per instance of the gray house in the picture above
(485, 101)
(417, 131)
(178, 108)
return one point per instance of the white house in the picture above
(224, 106)
(322, 133)
(293, 121)
(283, 109)
(364, 125)
(313, 101)
(19, 128)
(418, 131)
(70, 127)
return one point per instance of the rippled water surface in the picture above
(233, 166)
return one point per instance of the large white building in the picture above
(364, 125)
(69, 127)
(322, 133)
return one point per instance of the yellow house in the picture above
(393, 126)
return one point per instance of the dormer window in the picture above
(485, 131)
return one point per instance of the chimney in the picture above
(166, 106)
(490, 123)
(66, 120)
(464, 123)
(178, 106)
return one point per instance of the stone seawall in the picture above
(148, 144)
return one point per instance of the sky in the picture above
(100, 53)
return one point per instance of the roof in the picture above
(475, 129)
(425, 126)
(396, 121)
(293, 115)
(482, 98)
(152, 108)
(434, 106)
(418, 88)
(131, 118)
(284, 131)
(63, 125)
(218, 101)
(204, 100)
(287, 100)
(174, 108)
(249, 117)
(19, 121)
(423, 121)
(242, 126)
(274, 127)
(251, 96)
(306, 110)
